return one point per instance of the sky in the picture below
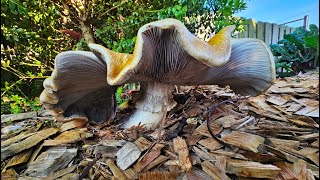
(282, 11)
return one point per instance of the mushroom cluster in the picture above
(165, 54)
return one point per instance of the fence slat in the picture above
(252, 29)
(292, 29)
(281, 32)
(260, 31)
(287, 30)
(268, 33)
(275, 33)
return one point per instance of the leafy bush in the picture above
(298, 51)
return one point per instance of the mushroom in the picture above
(167, 54)
(77, 88)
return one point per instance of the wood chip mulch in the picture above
(271, 136)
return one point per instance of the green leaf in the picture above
(295, 40)
(312, 41)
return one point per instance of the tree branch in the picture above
(114, 7)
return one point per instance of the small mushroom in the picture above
(77, 88)
(167, 54)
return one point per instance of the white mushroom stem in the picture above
(154, 102)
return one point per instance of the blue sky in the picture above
(281, 11)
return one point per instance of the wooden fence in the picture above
(270, 33)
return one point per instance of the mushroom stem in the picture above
(154, 102)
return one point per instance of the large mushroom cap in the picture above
(166, 52)
(77, 88)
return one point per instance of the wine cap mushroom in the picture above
(77, 88)
(167, 54)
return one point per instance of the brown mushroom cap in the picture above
(166, 52)
(78, 88)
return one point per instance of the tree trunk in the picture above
(87, 32)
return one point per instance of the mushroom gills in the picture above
(77, 88)
(249, 71)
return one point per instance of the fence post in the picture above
(305, 21)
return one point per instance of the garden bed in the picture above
(274, 136)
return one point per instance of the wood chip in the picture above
(14, 117)
(158, 175)
(61, 173)
(196, 174)
(283, 142)
(308, 137)
(294, 108)
(252, 169)
(203, 129)
(276, 100)
(106, 151)
(148, 157)
(20, 158)
(210, 143)
(213, 171)
(300, 90)
(259, 102)
(127, 155)
(262, 157)
(27, 143)
(51, 161)
(9, 174)
(281, 90)
(314, 113)
(118, 143)
(202, 154)
(193, 139)
(69, 137)
(131, 173)
(266, 114)
(181, 148)
(226, 121)
(143, 143)
(286, 172)
(156, 162)
(230, 154)
(311, 153)
(77, 123)
(221, 163)
(289, 157)
(315, 143)
(306, 110)
(15, 139)
(116, 171)
(238, 138)
(195, 111)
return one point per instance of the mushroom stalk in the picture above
(154, 102)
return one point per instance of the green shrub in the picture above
(298, 51)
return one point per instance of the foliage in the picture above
(298, 51)
(34, 32)
(215, 15)
(30, 39)
(119, 92)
